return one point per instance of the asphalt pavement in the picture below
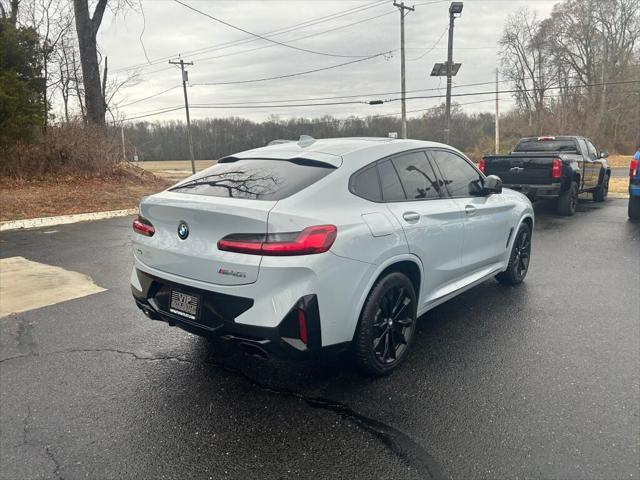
(535, 381)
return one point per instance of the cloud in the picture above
(171, 29)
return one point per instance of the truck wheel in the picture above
(568, 201)
(519, 258)
(634, 208)
(602, 190)
(387, 325)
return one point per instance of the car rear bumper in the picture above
(634, 187)
(216, 319)
(537, 191)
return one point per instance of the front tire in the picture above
(519, 259)
(387, 325)
(634, 208)
(568, 201)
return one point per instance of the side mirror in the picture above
(604, 154)
(492, 184)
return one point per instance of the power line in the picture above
(429, 50)
(306, 72)
(520, 90)
(280, 31)
(373, 94)
(283, 44)
(492, 92)
(157, 94)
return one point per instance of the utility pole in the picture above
(185, 78)
(124, 152)
(454, 9)
(497, 118)
(401, 7)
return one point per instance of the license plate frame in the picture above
(184, 305)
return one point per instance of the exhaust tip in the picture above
(253, 350)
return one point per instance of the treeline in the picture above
(216, 137)
(578, 70)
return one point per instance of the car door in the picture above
(432, 222)
(594, 165)
(585, 163)
(488, 218)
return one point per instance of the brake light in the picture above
(143, 227)
(633, 168)
(481, 165)
(302, 327)
(546, 139)
(309, 241)
(556, 170)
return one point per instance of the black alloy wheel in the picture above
(387, 325)
(519, 259)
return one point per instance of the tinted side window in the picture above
(391, 189)
(365, 184)
(583, 147)
(592, 150)
(417, 176)
(460, 178)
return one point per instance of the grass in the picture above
(619, 185)
(619, 160)
(173, 170)
(68, 195)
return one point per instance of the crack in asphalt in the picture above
(52, 457)
(47, 448)
(397, 441)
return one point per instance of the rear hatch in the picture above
(234, 197)
(208, 219)
(533, 169)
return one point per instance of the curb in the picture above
(63, 219)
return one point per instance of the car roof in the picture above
(334, 150)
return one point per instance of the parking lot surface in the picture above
(536, 381)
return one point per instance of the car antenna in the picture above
(305, 141)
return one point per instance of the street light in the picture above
(455, 10)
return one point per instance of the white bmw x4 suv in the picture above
(326, 245)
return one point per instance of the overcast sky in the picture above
(168, 29)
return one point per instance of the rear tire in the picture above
(568, 201)
(602, 190)
(634, 208)
(387, 325)
(519, 259)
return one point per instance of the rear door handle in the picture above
(411, 217)
(470, 210)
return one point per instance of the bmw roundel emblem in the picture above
(183, 230)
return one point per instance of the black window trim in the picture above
(463, 157)
(391, 157)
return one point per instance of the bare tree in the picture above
(87, 27)
(526, 63)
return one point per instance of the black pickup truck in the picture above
(553, 167)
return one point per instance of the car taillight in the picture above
(143, 227)
(302, 327)
(556, 170)
(481, 165)
(311, 240)
(633, 168)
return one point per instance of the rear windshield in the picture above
(535, 145)
(255, 179)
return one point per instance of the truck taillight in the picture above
(143, 227)
(556, 170)
(633, 168)
(311, 240)
(481, 165)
